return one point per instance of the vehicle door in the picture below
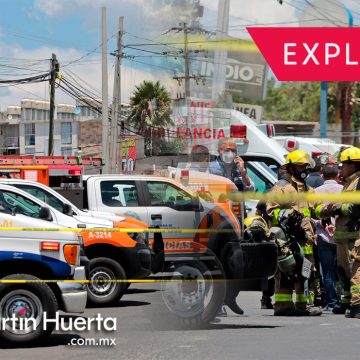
(263, 179)
(171, 207)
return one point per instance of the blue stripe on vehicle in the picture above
(58, 267)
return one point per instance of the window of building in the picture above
(88, 111)
(66, 150)
(66, 133)
(65, 116)
(26, 114)
(29, 134)
(30, 150)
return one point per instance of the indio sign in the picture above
(236, 71)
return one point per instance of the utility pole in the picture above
(116, 106)
(186, 62)
(105, 109)
(187, 30)
(220, 56)
(53, 73)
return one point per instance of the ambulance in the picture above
(113, 255)
(28, 256)
(206, 126)
(313, 146)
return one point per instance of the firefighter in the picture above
(347, 234)
(297, 165)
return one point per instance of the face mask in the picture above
(302, 175)
(227, 157)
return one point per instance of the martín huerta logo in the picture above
(25, 324)
(310, 53)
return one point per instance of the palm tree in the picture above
(151, 109)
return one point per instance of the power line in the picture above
(39, 78)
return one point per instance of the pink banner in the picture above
(310, 54)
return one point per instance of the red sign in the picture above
(200, 133)
(310, 54)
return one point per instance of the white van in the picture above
(313, 146)
(208, 127)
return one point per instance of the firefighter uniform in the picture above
(347, 236)
(293, 183)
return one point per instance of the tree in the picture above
(151, 108)
(299, 101)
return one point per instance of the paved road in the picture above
(143, 332)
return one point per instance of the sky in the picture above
(31, 30)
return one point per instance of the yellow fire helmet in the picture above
(255, 228)
(298, 157)
(351, 154)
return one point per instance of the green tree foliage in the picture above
(171, 147)
(299, 101)
(150, 104)
(293, 101)
(151, 108)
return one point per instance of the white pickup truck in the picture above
(31, 256)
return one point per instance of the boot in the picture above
(285, 312)
(234, 306)
(222, 312)
(341, 308)
(310, 311)
(353, 312)
(266, 303)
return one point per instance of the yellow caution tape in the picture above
(133, 281)
(123, 230)
(352, 197)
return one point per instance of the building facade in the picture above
(24, 129)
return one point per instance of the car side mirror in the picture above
(195, 203)
(45, 214)
(67, 209)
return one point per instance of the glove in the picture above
(333, 210)
(287, 214)
(290, 218)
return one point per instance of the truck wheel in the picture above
(107, 282)
(26, 301)
(197, 296)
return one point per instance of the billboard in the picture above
(254, 112)
(245, 74)
(128, 152)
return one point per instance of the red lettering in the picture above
(207, 133)
(198, 133)
(188, 133)
(221, 134)
(180, 132)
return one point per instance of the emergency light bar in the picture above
(291, 145)
(238, 131)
